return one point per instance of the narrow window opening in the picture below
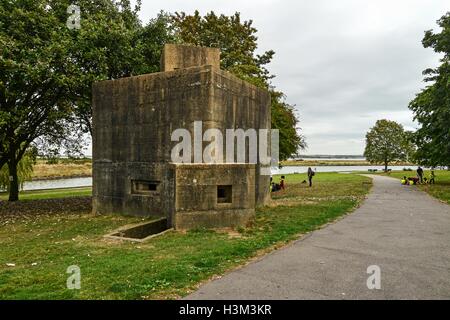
(224, 194)
(144, 187)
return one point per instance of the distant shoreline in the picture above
(343, 162)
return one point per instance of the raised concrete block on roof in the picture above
(176, 57)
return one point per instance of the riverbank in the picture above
(39, 250)
(73, 169)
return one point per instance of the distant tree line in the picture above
(47, 70)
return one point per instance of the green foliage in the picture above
(112, 43)
(387, 142)
(48, 69)
(24, 170)
(37, 74)
(283, 119)
(238, 42)
(431, 106)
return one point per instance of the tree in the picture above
(237, 42)
(387, 142)
(112, 44)
(24, 171)
(431, 106)
(35, 79)
(283, 119)
(47, 69)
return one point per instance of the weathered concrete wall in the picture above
(133, 121)
(182, 56)
(237, 104)
(134, 118)
(197, 201)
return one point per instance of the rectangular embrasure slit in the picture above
(144, 186)
(224, 194)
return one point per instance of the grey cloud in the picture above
(344, 63)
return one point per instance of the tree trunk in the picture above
(13, 181)
(385, 166)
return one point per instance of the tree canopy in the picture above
(35, 80)
(387, 142)
(47, 68)
(431, 106)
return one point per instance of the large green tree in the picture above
(47, 68)
(237, 42)
(387, 142)
(431, 106)
(35, 79)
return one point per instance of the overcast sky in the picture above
(344, 63)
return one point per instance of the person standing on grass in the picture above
(282, 185)
(420, 174)
(311, 174)
(431, 177)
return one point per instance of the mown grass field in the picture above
(51, 194)
(41, 248)
(441, 188)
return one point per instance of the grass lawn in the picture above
(440, 190)
(51, 194)
(168, 266)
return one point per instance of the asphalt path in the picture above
(395, 246)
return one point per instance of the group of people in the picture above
(419, 179)
(277, 186)
(281, 185)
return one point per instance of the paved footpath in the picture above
(402, 230)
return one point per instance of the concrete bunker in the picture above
(133, 119)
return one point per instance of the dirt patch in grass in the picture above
(24, 210)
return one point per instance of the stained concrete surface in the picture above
(402, 230)
(134, 119)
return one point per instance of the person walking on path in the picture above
(311, 174)
(420, 174)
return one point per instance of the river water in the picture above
(87, 181)
(58, 183)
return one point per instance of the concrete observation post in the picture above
(133, 120)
